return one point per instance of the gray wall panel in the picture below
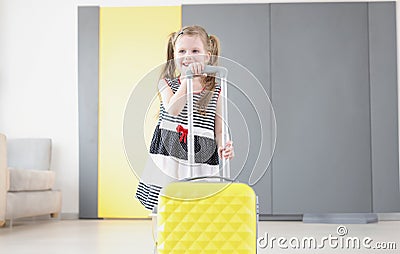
(384, 115)
(320, 92)
(244, 34)
(88, 73)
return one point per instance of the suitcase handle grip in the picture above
(189, 179)
(222, 71)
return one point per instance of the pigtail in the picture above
(214, 48)
(210, 80)
(168, 70)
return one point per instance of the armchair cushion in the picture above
(31, 180)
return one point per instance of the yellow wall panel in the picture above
(132, 43)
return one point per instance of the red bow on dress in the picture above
(183, 132)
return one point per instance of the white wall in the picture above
(38, 77)
(38, 83)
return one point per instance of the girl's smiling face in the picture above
(189, 49)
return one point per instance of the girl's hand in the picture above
(197, 68)
(226, 152)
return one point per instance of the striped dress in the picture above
(168, 150)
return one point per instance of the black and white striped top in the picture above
(205, 121)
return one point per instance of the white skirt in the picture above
(161, 170)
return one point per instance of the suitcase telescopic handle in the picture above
(207, 177)
(222, 73)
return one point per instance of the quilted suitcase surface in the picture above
(207, 217)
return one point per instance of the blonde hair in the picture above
(211, 44)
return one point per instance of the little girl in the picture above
(190, 48)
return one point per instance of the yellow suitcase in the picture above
(207, 217)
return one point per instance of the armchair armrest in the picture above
(3, 178)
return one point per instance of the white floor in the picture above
(135, 236)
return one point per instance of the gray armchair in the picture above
(26, 181)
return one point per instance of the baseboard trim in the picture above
(389, 216)
(340, 218)
(286, 217)
(69, 216)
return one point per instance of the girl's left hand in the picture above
(226, 152)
